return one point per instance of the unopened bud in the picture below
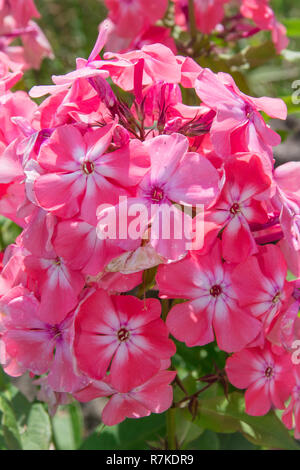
(120, 136)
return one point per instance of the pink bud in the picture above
(120, 136)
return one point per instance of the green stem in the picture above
(171, 429)
(165, 307)
(100, 428)
(192, 20)
(2, 244)
(170, 414)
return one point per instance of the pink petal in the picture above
(191, 322)
(59, 293)
(131, 367)
(31, 348)
(58, 192)
(165, 153)
(233, 327)
(237, 241)
(94, 353)
(195, 182)
(64, 150)
(62, 376)
(243, 368)
(121, 407)
(257, 398)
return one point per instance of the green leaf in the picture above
(253, 56)
(131, 434)
(228, 416)
(259, 55)
(4, 380)
(10, 426)
(186, 430)
(8, 232)
(68, 427)
(20, 405)
(213, 415)
(199, 358)
(284, 134)
(293, 27)
(207, 441)
(290, 276)
(235, 441)
(37, 435)
(24, 425)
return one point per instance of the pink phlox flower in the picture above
(238, 125)
(212, 305)
(268, 378)
(153, 396)
(238, 206)
(261, 286)
(122, 334)
(32, 342)
(85, 174)
(58, 284)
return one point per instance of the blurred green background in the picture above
(71, 27)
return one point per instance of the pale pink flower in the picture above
(32, 342)
(238, 125)
(59, 285)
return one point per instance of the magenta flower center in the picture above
(249, 111)
(57, 261)
(157, 195)
(276, 298)
(216, 290)
(123, 334)
(55, 331)
(269, 372)
(88, 167)
(235, 209)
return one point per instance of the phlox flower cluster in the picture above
(75, 311)
(135, 23)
